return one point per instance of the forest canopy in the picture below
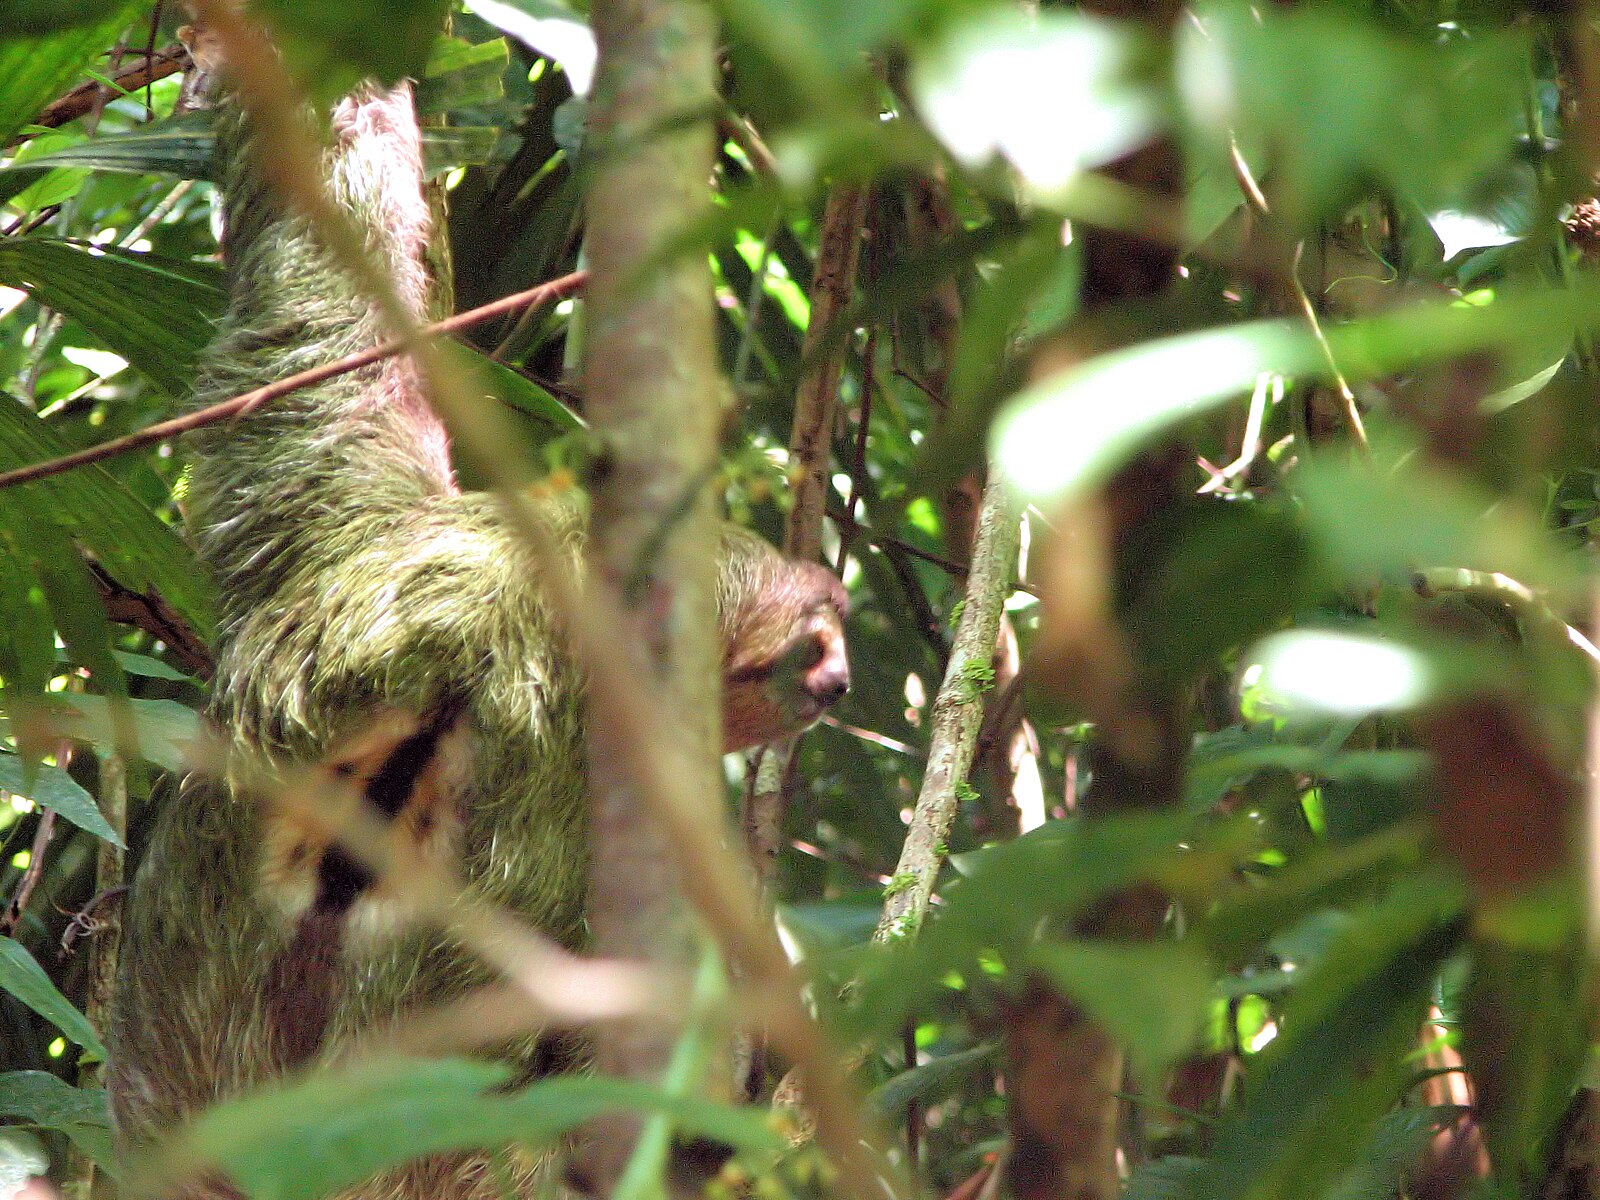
(1199, 404)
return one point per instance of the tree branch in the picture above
(957, 713)
(237, 406)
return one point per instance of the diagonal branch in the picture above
(236, 406)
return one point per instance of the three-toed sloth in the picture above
(357, 582)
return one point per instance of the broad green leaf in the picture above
(819, 47)
(456, 146)
(183, 146)
(1317, 1092)
(179, 146)
(27, 642)
(1522, 1022)
(1152, 997)
(334, 45)
(1247, 918)
(1223, 760)
(554, 29)
(307, 1138)
(35, 70)
(1212, 578)
(25, 979)
(35, 18)
(166, 731)
(141, 552)
(1398, 1143)
(52, 788)
(987, 339)
(158, 314)
(1344, 102)
(461, 73)
(1067, 432)
(1350, 509)
(70, 592)
(930, 1080)
(516, 390)
(46, 1102)
(140, 664)
(1016, 889)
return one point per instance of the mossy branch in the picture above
(957, 713)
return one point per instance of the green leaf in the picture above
(1350, 516)
(1221, 761)
(456, 146)
(1345, 102)
(337, 44)
(1051, 874)
(1071, 430)
(26, 980)
(1152, 997)
(70, 591)
(516, 390)
(930, 1080)
(1209, 578)
(820, 47)
(34, 71)
(142, 665)
(46, 1102)
(156, 313)
(179, 146)
(1396, 1147)
(27, 643)
(136, 547)
(1316, 1093)
(305, 1139)
(167, 732)
(52, 788)
(462, 74)
(183, 146)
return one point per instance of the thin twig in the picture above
(31, 875)
(1257, 201)
(236, 406)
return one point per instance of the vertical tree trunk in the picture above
(652, 393)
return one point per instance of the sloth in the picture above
(361, 590)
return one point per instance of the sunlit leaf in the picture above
(25, 979)
(167, 732)
(138, 549)
(1074, 428)
(157, 314)
(35, 70)
(461, 73)
(1349, 510)
(52, 788)
(554, 29)
(183, 146)
(999, 86)
(1337, 673)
